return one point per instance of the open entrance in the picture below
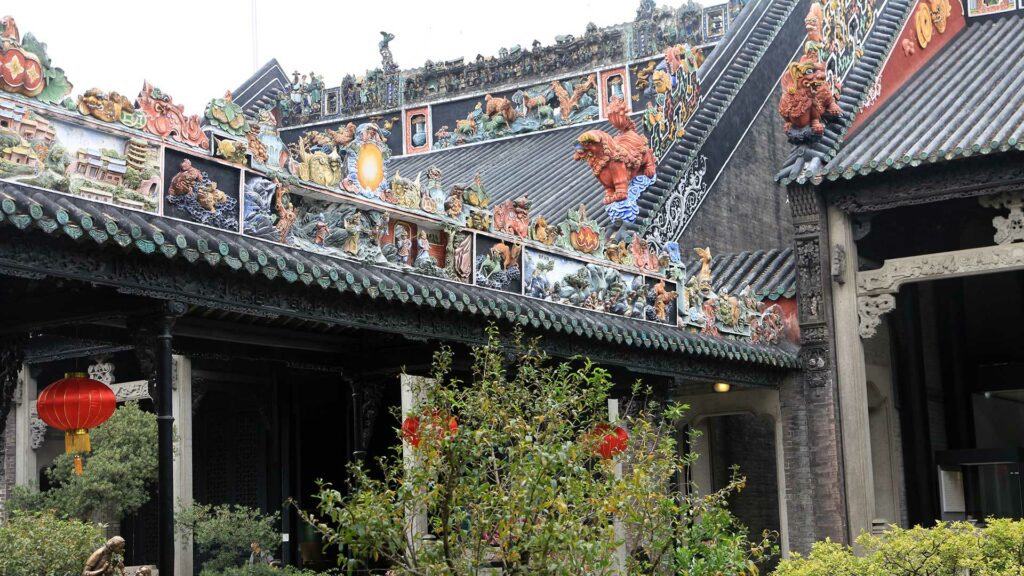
(959, 368)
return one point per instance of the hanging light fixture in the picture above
(722, 387)
(75, 404)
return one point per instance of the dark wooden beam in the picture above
(963, 178)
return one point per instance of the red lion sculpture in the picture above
(806, 97)
(615, 160)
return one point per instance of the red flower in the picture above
(411, 427)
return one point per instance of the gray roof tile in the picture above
(969, 99)
(805, 162)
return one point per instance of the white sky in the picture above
(194, 50)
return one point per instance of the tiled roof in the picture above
(969, 99)
(26, 208)
(771, 274)
(806, 161)
(539, 165)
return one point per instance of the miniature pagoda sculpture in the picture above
(807, 97)
(623, 164)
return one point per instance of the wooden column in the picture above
(182, 412)
(165, 443)
(851, 377)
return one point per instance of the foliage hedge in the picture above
(42, 544)
(947, 549)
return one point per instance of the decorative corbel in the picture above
(102, 370)
(838, 264)
(870, 310)
(37, 428)
(1009, 228)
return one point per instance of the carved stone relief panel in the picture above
(870, 310)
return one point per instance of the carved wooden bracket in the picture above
(1009, 228)
(36, 426)
(870, 310)
(895, 272)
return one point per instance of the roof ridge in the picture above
(714, 104)
(806, 162)
(25, 207)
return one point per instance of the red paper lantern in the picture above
(411, 427)
(411, 431)
(75, 404)
(610, 442)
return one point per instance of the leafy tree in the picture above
(42, 543)
(506, 469)
(9, 139)
(132, 178)
(117, 474)
(223, 533)
(57, 158)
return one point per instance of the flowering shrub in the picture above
(522, 484)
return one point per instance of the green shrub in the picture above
(947, 549)
(222, 534)
(42, 544)
(261, 570)
(117, 475)
(1002, 547)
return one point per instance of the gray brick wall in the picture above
(748, 442)
(7, 461)
(815, 505)
(745, 209)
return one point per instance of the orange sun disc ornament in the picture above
(75, 404)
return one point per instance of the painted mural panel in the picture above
(986, 7)
(78, 160)
(556, 103)
(285, 213)
(498, 264)
(844, 30)
(201, 191)
(669, 92)
(593, 286)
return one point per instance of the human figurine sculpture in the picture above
(423, 257)
(258, 556)
(102, 562)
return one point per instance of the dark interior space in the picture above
(959, 370)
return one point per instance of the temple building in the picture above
(814, 242)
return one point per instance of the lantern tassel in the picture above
(77, 441)
(78, 464)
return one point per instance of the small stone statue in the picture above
(258, 556)
(102, 562)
